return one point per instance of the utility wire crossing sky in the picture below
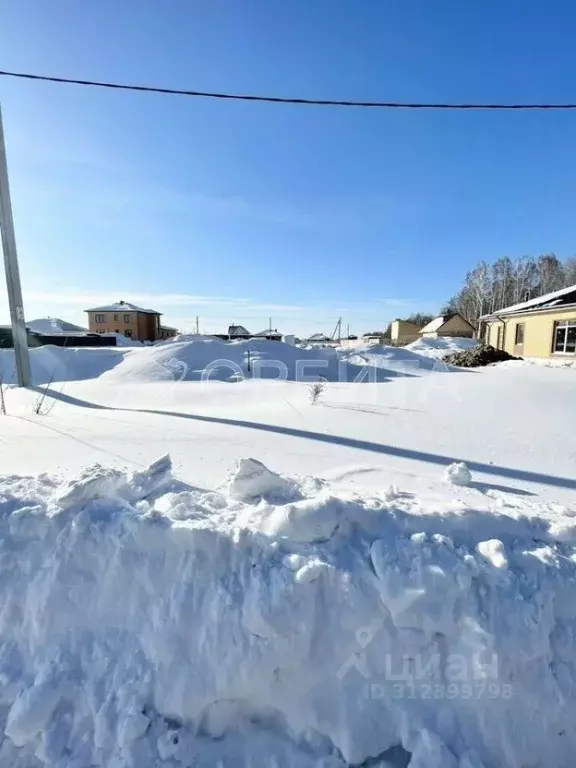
(279, 99)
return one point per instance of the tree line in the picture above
(490, 287)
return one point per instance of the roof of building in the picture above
(267, 332)
(318, 337)
(123, 306)
(54, 325)
(548, 301)
(440, 321)
(238, 330)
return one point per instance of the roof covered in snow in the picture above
(268, 332)
(549, 300)
(318, 337)
(54, 325)
(437, 323)
(123, 306)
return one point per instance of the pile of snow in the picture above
(458, 474)
(58, 364)
(439, 348)
(401, 359)
(146, 623)
(210, 358)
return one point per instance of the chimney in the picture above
(527, 296)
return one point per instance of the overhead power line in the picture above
(282, 99)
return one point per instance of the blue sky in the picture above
(236, 212)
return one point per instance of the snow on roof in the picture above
(123, 306)
(317, 337)
(549, 299)
(54, 325)
(267, 332)
(436, 324)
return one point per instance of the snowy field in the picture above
(298, 584)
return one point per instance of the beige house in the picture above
(130, 321)
(404, 332)
(542, 327)
(448, 325)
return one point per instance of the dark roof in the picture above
(556, 299)
(238, 330)
(267, 332)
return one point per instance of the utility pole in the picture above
(12, 272)
(197, 325)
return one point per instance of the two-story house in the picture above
(130, 321)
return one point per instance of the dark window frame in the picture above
(127, 319)
(519, 334)
(99, 318)
(565, 330)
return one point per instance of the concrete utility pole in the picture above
(12, 272)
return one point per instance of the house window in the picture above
(99, 318)
(116, 318)
(126, 318)
(128, 333)
(116, 331)
(565, 337)
(519, 339)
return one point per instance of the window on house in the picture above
(116, 331)
(519, 339)
(116, 318)
(100, 318)
(565, 337)
(128, 333)
(126, 318)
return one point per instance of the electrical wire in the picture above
(284, 99)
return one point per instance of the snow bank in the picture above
(146, 623)
(231, 361)
(439, 348)
(196, 357)
(57, 364)
(400, 359)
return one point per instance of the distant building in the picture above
(318, 338)
(130, 321)
(54, 325)
(271, 335)
(449, 325)
(404, 332)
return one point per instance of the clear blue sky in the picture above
(238, 211)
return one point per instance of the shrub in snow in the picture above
(458, 474)
(316, 389)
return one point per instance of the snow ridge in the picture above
(277, 622)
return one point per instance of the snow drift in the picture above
(274, 622)
(441, 347)
(195, 358)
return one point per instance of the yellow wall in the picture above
(456, 326)
(538, 333)
(403, 332)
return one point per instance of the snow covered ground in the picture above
(441, 347)
(366, 606)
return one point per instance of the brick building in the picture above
(130, 321)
